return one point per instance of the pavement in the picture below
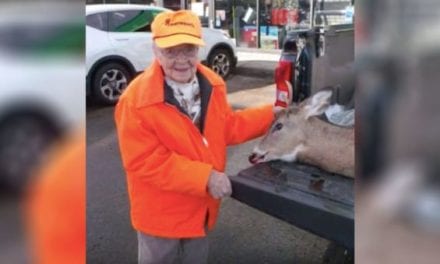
(261, 62)
(260, 66)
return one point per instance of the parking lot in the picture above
(242, 234)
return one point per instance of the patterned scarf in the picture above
(188, 96)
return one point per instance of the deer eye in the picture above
(277, 127)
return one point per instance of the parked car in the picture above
(119, 45)
(42, 92)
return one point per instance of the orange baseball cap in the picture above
(172, 28)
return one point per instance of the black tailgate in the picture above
(305, 196)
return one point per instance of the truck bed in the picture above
(302, 195)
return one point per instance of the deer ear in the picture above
(318, 103)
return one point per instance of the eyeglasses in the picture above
(187, 51)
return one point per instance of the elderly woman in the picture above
(174, 124)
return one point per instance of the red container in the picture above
(274, 16)
(282, 16)
(283, 73)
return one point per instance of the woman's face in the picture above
(179, 62)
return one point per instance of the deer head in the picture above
(290, 131)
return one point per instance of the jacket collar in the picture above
(151, 82)
(205, 94)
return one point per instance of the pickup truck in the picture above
(305, 196)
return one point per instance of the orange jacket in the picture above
(56, 206)
(168, 160)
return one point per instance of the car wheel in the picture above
(220, 61)
(23, 141)
(109, 81)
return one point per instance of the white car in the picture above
(42, 90)
(119, 45)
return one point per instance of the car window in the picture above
(131, 20)
(44, 39)
(334, 12)
(98, 21)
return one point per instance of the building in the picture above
(241, 18)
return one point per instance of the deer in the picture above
(298, 134)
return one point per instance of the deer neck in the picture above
(328, 146)
(316, 128)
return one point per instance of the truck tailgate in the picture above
(302, 195)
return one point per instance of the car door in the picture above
(97, 44)
(130, 34)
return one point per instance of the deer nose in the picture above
(252, 158)
(255, 158)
